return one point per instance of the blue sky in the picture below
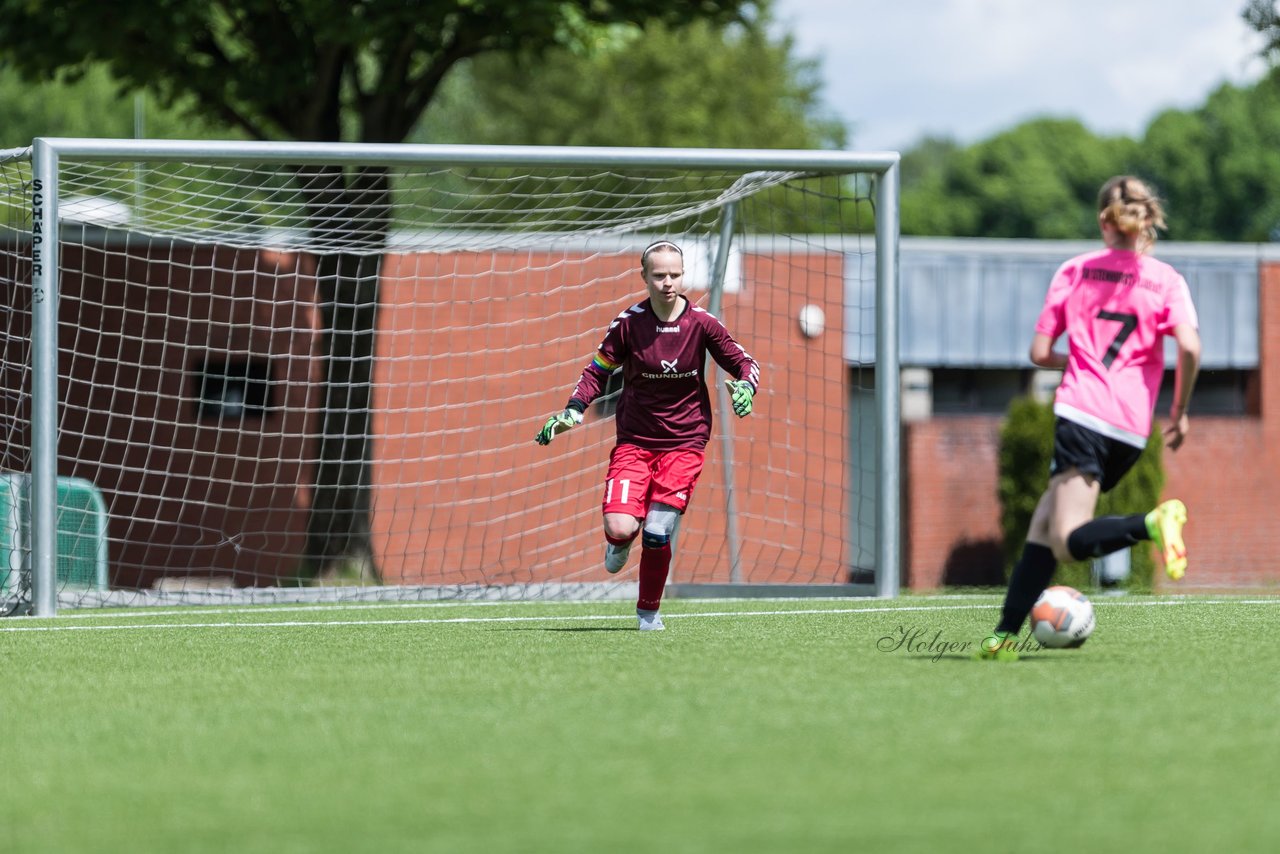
(897, 69)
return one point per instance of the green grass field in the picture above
(747, 726)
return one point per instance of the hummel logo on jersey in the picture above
(669, 328)
(668, 367)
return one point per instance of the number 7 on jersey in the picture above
(1128, 323)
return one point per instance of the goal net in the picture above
(317, 371)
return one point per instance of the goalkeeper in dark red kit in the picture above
(663, 418)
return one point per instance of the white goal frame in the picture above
(49, 153)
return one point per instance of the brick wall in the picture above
(476, 350)
(185, 496)
(462, 493)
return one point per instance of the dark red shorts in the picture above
(637, 478)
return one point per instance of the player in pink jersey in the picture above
(663, 418)
(1116, 305)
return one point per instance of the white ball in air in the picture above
(812, 321)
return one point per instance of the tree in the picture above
(1176, 144)
(91, 105)
(327, 70)
(1263, 16)
(1218, 166)
(1039, 179)
(705, 85)
(744, 90)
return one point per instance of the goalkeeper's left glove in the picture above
(741, 393)
(557, 424)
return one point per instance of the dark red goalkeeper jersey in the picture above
(664, 403)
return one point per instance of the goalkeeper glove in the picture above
(557, 424)
(741, 393)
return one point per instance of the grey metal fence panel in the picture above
(969, 303)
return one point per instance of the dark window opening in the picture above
(233, 388)
(959, 391)
(1217, 392)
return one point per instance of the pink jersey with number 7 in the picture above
(1116, 307)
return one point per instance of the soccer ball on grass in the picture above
(1062, 617)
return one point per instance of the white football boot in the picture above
(650, 621)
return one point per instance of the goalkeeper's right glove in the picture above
(557, 424)
(741, 393)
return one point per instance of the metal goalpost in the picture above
(50, 156)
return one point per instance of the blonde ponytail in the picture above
(1129, 204)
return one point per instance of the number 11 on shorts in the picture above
(624, 484)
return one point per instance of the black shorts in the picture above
(1076, 446)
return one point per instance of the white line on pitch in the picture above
(171, 610)
(544, 618)
(177, 610)
(584, 617)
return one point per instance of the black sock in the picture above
(1030, 577)
(1107, 534)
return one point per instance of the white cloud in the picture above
(898, 69)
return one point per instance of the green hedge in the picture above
(1026, 449)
